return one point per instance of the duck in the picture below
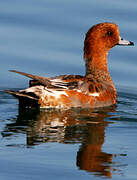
(92, 90)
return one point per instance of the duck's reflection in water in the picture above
(70, 126)
(90, 156)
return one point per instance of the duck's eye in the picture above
(109, 33)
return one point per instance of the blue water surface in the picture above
(46, 38)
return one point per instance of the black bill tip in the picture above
(131, 43)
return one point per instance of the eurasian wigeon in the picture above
(95, 89)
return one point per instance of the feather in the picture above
(43, 80)
(18, 94)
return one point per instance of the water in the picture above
(46, 38)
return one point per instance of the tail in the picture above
(22, 94)
(42, 80)
(26, 100)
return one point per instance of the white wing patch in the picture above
(59, 83)
(55, 93)
(51, 98)
(42, 91)
(94, 94)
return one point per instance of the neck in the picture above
(97, 66)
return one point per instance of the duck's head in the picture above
(100, 39)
